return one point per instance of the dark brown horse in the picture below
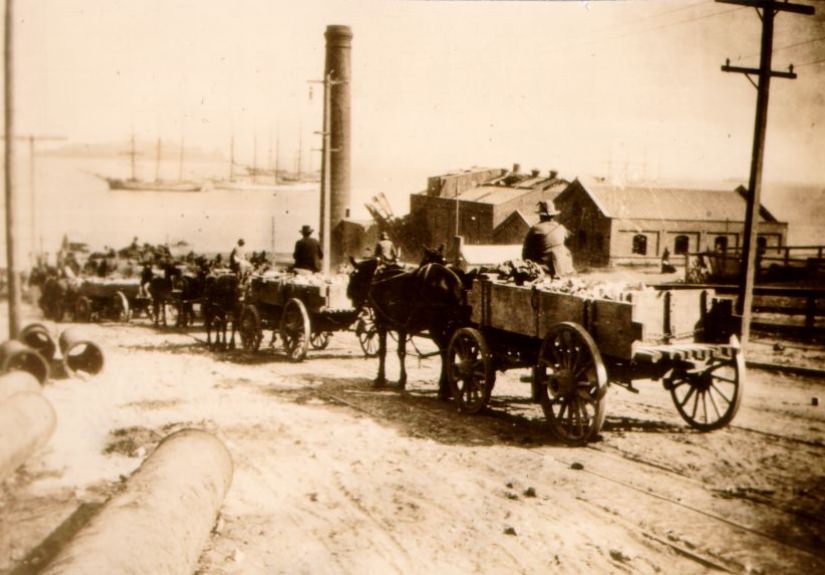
(221, 306)
(428, 299)
(160, 289)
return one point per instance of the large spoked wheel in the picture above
(367, 333)
(470, 372)
(319, 339)
(82, 309)
(295, 329)
(708, 396)
(120, 307)
(250, 328)
(572, 383)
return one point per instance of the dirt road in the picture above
(334, 476)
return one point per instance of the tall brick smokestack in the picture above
(338, 63)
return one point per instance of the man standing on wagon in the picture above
(308, 253)
(544, 244)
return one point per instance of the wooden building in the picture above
(483, 205)
(612, 224)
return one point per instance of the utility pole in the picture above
(11, 265)
(767, 10)
(326, 180)
(32, 139)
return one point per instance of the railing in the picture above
(776, 262)
(803, 307)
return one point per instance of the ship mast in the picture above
(180, 160)
(157, 161)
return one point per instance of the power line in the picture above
(820, 61)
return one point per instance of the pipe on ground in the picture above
(80, 356)
(17, 381)
(17, 356)
(161, 520)
(27, 421)
(38, 337)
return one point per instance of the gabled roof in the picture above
(528, 219)
(649, 203)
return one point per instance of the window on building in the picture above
(582, 239)
(681, 245)
(640, 244)
(720, 244)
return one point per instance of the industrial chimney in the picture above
(338, 60)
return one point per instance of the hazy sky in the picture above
(582, 87)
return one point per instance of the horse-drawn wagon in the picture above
(304, 309)
(115, 299)
(577, 343)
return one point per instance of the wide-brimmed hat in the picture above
(306, 230)
(545, 209)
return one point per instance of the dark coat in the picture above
(308, 254)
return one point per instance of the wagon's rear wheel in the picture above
(319, 339)
(82, 309)
(120, 307)
(250, 328)
(470, 372)
(708, 398)
(572, 383)
(367, 333)
(295, 329)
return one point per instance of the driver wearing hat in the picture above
(544, 243)
(308, 253)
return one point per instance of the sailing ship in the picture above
(158, 185)
(269, 179)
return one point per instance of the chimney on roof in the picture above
(553, 174)
(535, 173)
(516, 168)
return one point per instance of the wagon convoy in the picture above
(577, 336)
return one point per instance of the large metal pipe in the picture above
(15, 382)
(27, 421)
(38, 337)
(338, 64)
(17, 356)
(161, 520)
(80, 356)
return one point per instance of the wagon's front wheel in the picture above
(708, 396)
(470, 372)
(572, 383)
(250, 328)
(120, 307)
(295, 329)
(367, 332)
(319, 339)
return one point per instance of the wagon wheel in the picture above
(295, 329)
(120, 307)
(319, 339)
(250, 328)
(572, 383)
(82, 309)
(709, 398)
(470, 372)
(367, 333)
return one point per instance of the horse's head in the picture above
(360, 279)
(434, 256)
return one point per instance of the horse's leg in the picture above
(444, 392)
(402, 354)
(234, 325)
(381, 380)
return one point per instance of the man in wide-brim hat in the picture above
(308, 253)
(545, 243)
